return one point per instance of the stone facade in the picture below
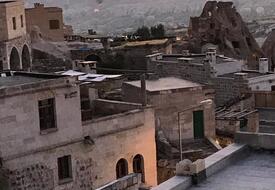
(30, 155)
(177, 106)
(15, 51)
(227, 76)
(48, 19)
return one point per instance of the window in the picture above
(1, 66)
(121, 168)
(22, 21)
(65, 168)
(47, 114)
(54, 24)
(138, 166)
(14, 23)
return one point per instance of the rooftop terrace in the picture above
(169, 83)
(256, 172)
(9, 79)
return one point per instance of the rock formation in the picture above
(222, 25)
(269, 49)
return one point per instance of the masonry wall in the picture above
(262, 83)
(200, 73)
(167, 107)
(115, 139)
(40, 16)
(30, 157)
(8, 11)
(19, 118)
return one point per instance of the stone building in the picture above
(229, 77)
(15, 51)
(44, 144)
(49, 20)
(181, 107)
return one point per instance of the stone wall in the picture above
(17, 43)
(30, 158)
(227, 88)
(130, 182)
(201, 73)
(113, 107)
(45, 63)
(39, 16)
(167, 107)
(115, 138)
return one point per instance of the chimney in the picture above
(143, 92)
(211, 55)
(263, 65)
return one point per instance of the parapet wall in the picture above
(129, 182)
(114, 107)
(256, 140)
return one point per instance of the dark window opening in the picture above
(54, 24)
(47, 114)
(236, 44)
(138, 166)
(234, 23)
(121, 168)
(248, 42)
(273, 88)
(1, 66)
(22, 21)
(14, 23)
(212, 25)
(64, 168)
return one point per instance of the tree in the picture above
(158, 31)
(143, 33)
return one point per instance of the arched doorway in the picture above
(121, 168)
(14, 60)
(26, 58)
(138, 166)
(93, 57)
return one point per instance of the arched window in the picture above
(93, 57)
(26, 59)
(121, 168)
(138, 166)
(14, 60)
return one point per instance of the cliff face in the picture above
(269, 49)
(222, 25)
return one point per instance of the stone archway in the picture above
(121, 168)
(138, 166)
(14, 60)
(26, 58)
(93, 57)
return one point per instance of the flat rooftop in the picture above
(256, 172)
(169, 83)
(145, 43)
(9, 79)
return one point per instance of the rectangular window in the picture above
(22, 21)
(65, 168)
(1, 66)
(47, 114)
(14, 23)
(54, 24)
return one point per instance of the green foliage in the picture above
(143, 33)
(146, 33)
(158, 31)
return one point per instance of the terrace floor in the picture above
(256, 172)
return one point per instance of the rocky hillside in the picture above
(118, 16)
